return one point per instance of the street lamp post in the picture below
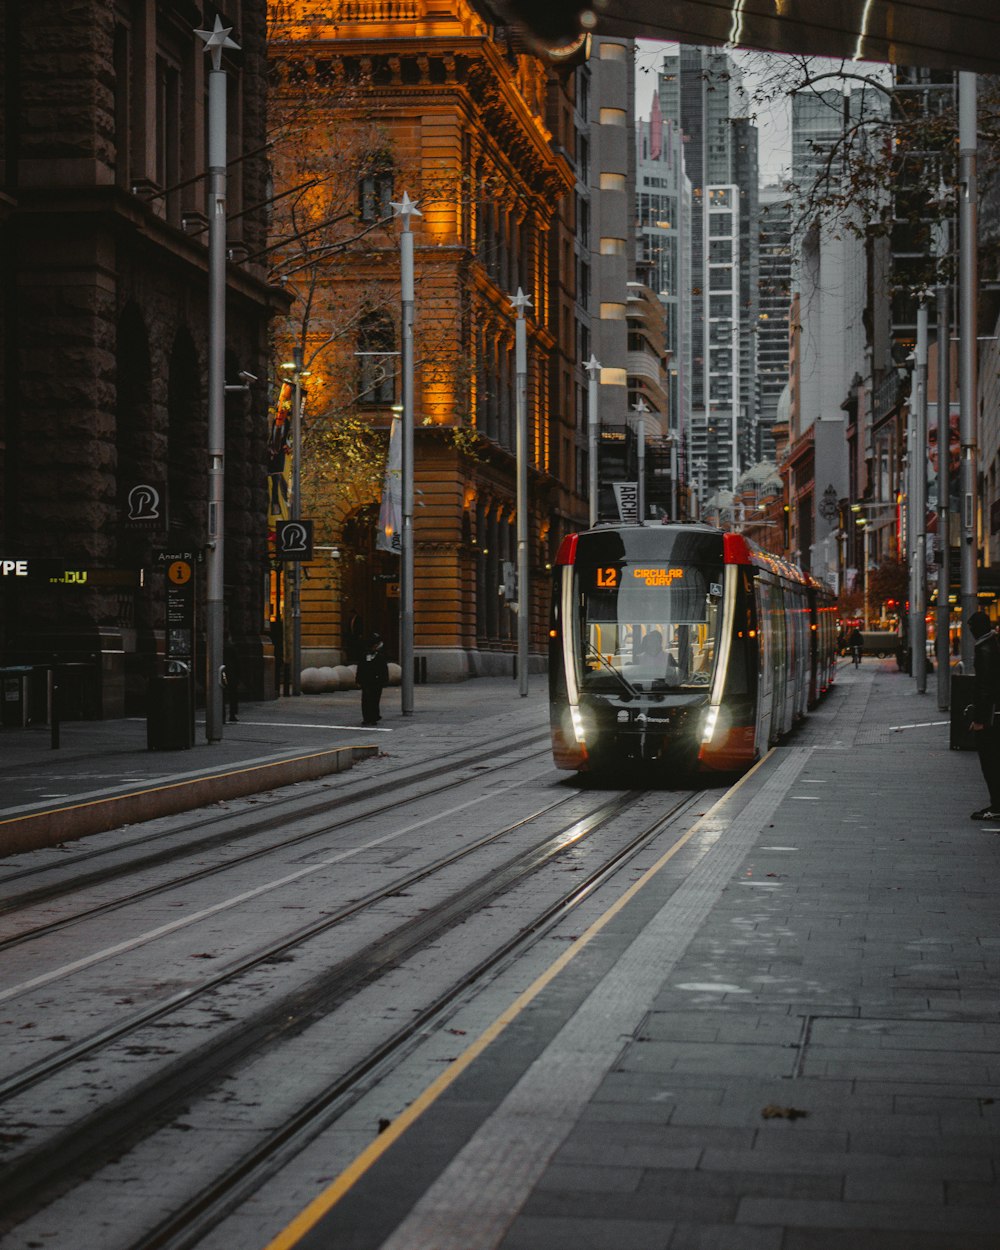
(520, 302)
(593, 367)
(295, 514)
(640, 409)
(404, 210)
(967, 292)
(943, 482)
(876, 505)
(918, 507)
(215, 41)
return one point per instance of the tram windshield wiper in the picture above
(632, 692)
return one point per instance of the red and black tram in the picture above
(681, 647)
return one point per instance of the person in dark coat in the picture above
(373, 676)
(985, 709)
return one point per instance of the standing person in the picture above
(373, 675)
(855, 642)
(985, 707)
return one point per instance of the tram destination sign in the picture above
(611, 577)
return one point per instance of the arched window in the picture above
(376, 360)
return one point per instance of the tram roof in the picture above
(938, 34)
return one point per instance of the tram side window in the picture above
(741, 677)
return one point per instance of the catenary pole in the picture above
(918, 511)
(593, 367)
(967, 259)
(640, 408)
(520, 302)
(944, 484)
(295, 514)
(215, 41)
(404, 210)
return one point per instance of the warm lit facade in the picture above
(464, 115)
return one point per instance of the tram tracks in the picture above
(11, 906)
(84, 1145)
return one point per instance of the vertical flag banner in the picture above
(279, 459)
(390, 516)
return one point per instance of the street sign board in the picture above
(293, 540)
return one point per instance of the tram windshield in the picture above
(648, 626)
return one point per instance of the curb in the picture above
(34, 830)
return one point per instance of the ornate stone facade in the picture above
(477, 130)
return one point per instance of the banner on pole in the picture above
(390, 516)
(627, 499)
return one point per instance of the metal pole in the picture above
(295, 514)
(866, 556)
(944, 489)
(215, 41)
(404, 210)
(593, 368)
(521, 301)
(673, 477)
(640, 433)
(967, 142)
(918, 479)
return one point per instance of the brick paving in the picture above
(821, 1067)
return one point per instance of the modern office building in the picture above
(663, 260)
(701, 93)
(775, 287)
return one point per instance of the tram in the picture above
(682, 648)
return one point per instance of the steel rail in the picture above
(202, 1213)
(79, 1148)
(102, 877)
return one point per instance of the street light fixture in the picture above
(640, 408)
(520, 302)
(404, 209)
(295, 366)
(216, 40)
(593, 367)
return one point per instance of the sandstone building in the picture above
(438, 101)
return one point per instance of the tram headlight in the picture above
(708, 728)
(576, 716)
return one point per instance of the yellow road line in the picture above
(321, 1205)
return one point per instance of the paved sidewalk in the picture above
(789, 1040)
(821, 1067)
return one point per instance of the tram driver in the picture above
(655, 659)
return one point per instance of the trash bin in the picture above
(962, 694)
(14, 681)
(168, 718)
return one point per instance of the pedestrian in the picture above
(373, 675)
(984, 709)
(855, 643)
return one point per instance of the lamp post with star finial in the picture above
(216, 40)
(405, 209)
(519, 303)
(593, 367)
